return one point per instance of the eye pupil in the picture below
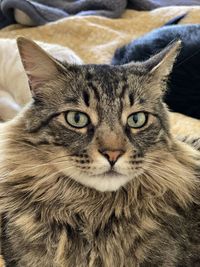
(137, 120)
(77, 117)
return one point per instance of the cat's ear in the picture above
(39, 66)
(160, 65)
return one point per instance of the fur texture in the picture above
(184, 85)
(62, 201)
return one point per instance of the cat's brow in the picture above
(71, 100)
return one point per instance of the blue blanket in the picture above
(39, 12)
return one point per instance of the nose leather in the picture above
(112, 155)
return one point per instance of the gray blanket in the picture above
(39, 12)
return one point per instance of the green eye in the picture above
(137, 120)
(77, 119)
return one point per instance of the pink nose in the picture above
(112, 155)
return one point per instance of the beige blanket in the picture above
(94, 39)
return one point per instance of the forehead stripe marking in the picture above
(124, 88)
(131, 99)
(95, 90)
(86, 98)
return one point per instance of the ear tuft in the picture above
(39, 66)
(163, 62)
(161, 65)
(158, 67)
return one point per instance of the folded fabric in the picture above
(4, 21)
(108, 8)
(152, 4)
(33, 13)
(39, 12)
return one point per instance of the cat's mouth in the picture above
(111, 173)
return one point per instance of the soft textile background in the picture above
(39, 12)
(95, 39)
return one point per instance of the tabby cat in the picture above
(91, 175)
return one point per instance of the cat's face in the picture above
(102, 125)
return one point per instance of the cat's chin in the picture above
(103, 183)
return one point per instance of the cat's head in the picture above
(101, 125)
